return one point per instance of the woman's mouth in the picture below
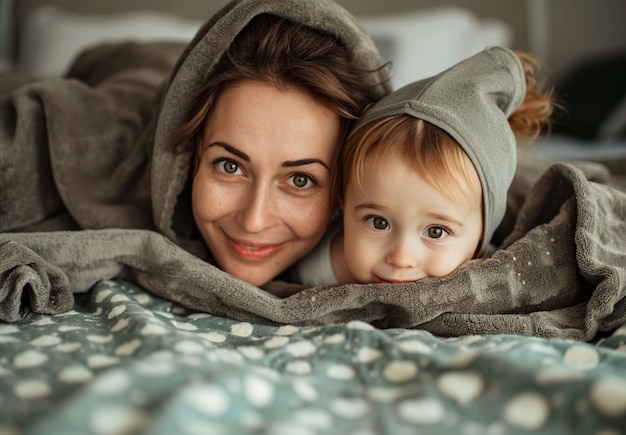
(253, 251)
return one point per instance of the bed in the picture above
(124, 359)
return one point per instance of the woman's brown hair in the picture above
(288, 55)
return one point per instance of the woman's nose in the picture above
(403, 255)
(258, 210)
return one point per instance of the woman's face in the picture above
(261, 193)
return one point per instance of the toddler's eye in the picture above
(377, 222)
(301, 181)
(228, 166)
(436, 232)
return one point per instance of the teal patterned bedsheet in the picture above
(127, 362)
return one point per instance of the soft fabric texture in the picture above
(76, 153)
(470, 101)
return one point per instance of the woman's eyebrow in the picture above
(292, 163)
(288, 164)
(231, 149)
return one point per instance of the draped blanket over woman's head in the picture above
(90, 191)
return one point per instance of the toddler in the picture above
(423, 177)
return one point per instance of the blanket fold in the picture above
(30, 283)
(560, 273)
(75, 150)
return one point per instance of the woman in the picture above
(265, 131)
(239, 157)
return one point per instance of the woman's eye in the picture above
(436, 232)
(377, 223)
(229, 166)
(301, 181)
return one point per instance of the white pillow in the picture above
(52, 37)
(423, 43)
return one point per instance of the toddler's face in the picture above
(398, 227)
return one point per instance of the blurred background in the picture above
(559, 32)
(581, 44)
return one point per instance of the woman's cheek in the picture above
(208, 199)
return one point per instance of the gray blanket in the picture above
(91, 152)
(560, 273)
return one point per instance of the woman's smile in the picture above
(250, 251)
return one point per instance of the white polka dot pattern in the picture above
(127, 362)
